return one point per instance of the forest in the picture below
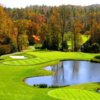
(60, 28)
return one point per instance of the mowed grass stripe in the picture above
(27, 62)
(74, 94)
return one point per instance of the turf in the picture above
(74, 94)
(13, 72)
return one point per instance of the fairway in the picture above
(45, 56)
(14, 71)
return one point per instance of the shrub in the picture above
(5, 49)
(13, 47)
(38, 46)
(1, 51)
(41, 85)
(53, 86)
(65, 45)
(95, 47)
(97, 57)
(86, 47)
(45, 44)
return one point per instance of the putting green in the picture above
(74, 94)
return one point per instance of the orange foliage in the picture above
(36, 38)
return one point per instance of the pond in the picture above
(69, 73)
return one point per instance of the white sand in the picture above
(18, 57)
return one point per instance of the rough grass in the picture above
(13, 72)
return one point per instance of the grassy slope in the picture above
(13, 72)
(84, 39)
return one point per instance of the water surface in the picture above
(69, 73)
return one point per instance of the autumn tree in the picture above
(35, 24)
(22, 38)
(54, 29)
(63, 19)
(7, 32)
(77, 35)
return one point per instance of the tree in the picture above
(54, 29)
(22, 39)
(77, 36)
(43, 32)
(35, 23)
(7, 32)
(63, 16)
(65, 45)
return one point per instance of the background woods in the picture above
(70, 28)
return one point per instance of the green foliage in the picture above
(41, 85)
(5, 49)
(54, 86)
(2, 51)
(65, 46)
(22, 41)
(38, 46)
(97, 57)
(95, 47)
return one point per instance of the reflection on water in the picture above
(68, 73)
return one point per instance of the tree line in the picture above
(53, 27)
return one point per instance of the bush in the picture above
(13, 48)
(95, 47)
(38, 46)
(45, 44)
(5, 49)
(1, 51)
(41, 85)
(86, 47)
(64, 46)
(54, 86)
(97, 57)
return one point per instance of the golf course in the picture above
(49, 50)
(13, 72)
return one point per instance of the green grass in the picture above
(83, 37)
(87, 86)
(74, 94)
(96, 59)
(45, 56)
(13, 72)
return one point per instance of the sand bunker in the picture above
(18, 57)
